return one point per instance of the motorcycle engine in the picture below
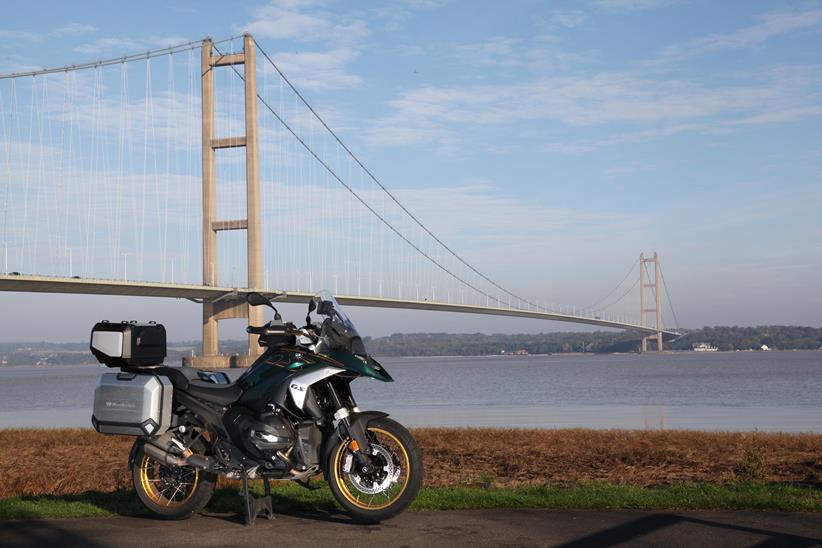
(272, 433)
(260, 436)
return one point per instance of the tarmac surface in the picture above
(474, 528)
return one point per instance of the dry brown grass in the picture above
(625, 457)
(35, 462)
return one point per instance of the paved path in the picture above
(474, 528)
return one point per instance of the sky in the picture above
(550, 142)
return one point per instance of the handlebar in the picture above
(269, 329)
(256, 330)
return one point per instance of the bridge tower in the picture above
(213, 312)
(655, 289)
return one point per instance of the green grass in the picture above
(291, 498)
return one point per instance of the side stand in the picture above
(255, 506)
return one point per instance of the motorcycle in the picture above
(290, 417)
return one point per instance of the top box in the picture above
(128, 344)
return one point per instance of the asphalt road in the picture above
(474, 528)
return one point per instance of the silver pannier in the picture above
(128, 344)
(132, 404)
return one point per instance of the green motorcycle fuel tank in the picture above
(268, 379)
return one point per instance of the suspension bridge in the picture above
(200, 171)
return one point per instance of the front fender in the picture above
(359, 422)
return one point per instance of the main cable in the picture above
(605, 298)
(115, 60)
(353, 192)
(384, 189)
(623, 295)
(670, 303)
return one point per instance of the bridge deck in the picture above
(48, 284)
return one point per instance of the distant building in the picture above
(704, 347)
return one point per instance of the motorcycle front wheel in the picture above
(390, 484)
(170, 492)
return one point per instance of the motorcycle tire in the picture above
(170, 492)
(390, 485)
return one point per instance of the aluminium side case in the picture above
(132, 404)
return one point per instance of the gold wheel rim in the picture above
(161, 492)
(359, 500)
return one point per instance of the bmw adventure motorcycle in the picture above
(290, 416)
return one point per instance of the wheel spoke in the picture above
(166, 485)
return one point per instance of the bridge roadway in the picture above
(89, 286)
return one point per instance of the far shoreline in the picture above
(486, 356)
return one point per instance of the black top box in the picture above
(128, 344)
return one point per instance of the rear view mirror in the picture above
(255, 299)
(312, 305)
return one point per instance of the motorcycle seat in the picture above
(179, 376)
(188, 379)
(221, 394)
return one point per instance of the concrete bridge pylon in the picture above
(655, 289)
(214, 311)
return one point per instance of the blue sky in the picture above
(551, 142)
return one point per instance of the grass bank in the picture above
(290, 499)
(79, 472)
(65, 462)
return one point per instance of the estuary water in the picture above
(772, 391)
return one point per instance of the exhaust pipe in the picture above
(197, 461)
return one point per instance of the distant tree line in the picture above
(776, 337)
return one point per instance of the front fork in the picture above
(355, 430)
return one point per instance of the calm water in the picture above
(718, 391)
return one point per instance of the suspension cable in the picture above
(383, 217)
(671, 304)
(115, 60)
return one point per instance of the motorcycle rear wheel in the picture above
(391, 486)
(170, 492)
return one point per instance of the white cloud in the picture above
(631, 5)
(289, 20)
(534, 54)
(607, 98)
(16, 63)
(320, 70)
(20, 35)
(109, 44)
(117, 45)
(425, 4)
(772, 25)
(781, 115)
(627, 137)
(567, 18)
(410, 50)
(494, 50)
(501, 214)
(306, 22)
(73, 29)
